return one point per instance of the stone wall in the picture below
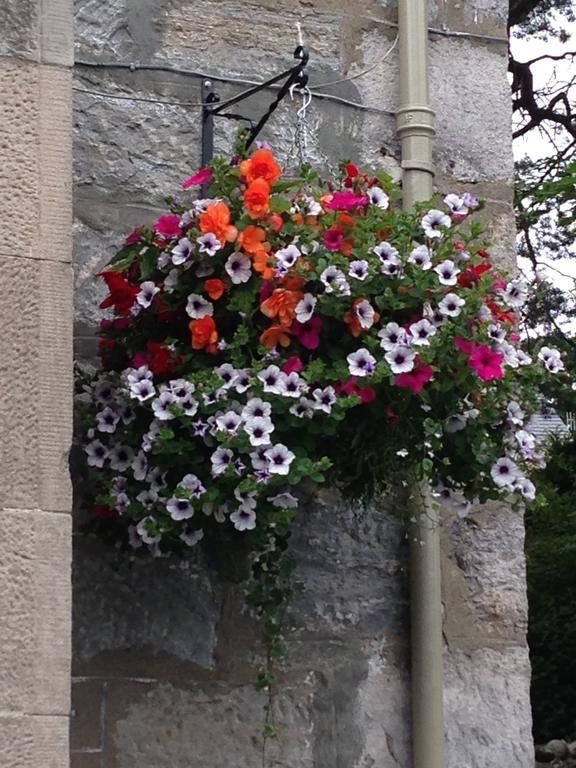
(35, 381)
(164, 657)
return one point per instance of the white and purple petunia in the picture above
(447, 272)
(515, 294)
(258, 429)
(256, 408)
(334, 281)
(279, 458)
(432, 222)
(305, 308)
(421, 332)
(400, 359)
(273, 379)
(229, 422)
(179, 509)
(182, 252)
(221, 459)
(361, 363)
(198, 307)
(392, 335)
(451, 305)
(238, 268)
(505, 473)
(148, 289)
(420, 257)
(378, 197)
(161, 405)
(358, 269)
(552, 359)
(97, 454)
(107, 420)
(209, 244)
(365, 314)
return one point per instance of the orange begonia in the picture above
(260, 264)
(282, 304)
(252, 240)
(257, 199)
(275, 335)
(214, 288)
(216, 219)
(261, 165)
(204, 334)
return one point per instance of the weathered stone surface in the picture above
(35, 609)
(158, 607)
(34, 741)
(41, 31)
(484, 579)
(36, 407)
(87, 714)
(488, 722)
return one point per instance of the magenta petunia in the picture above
(293, 365)
(346, 201)
(467, 347)
(168, 226)
(333, 238)
(486, 362)
(203, 176)
(308, 334)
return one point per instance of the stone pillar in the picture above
(35, 381)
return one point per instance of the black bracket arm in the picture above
(213, 107)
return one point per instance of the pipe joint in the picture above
(415, 120)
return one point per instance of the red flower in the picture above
(203, 176)
(416, 379)
(471, 275)
(122, 293)
(134, 237)
(214, 288)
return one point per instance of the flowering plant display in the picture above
(285, 330)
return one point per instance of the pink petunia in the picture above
(346, 201)
(416, 379)
(351, 387)
(486, 362)
(168, 226)
(203, 176)
(134, 237)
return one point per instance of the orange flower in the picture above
(261, 166)
(345, 220)
(216, 219)
(260, 264)
(252, 239)
(276, 222)
(282, 304)
(275, 335)
(214, 288)
(204, 334)
(257, 199)
(292, 283)
(347, 246)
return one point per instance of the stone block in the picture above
(36, 396)
(36, 30)
(20, 27)
(35, 609)
(215, 725)
(487, 708)
(36, 173)
(33, 741)
(86, 760)
(144, 609)
(87, 717)
(485, 580)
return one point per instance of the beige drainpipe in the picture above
(415, 122)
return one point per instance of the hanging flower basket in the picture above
(287, 331)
